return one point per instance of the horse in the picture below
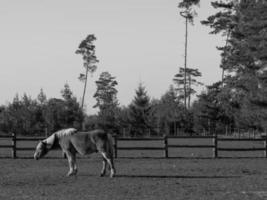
(72, 141)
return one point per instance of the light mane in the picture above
(50, 140)
(66, 132)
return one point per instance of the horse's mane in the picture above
(52, 140)
(65, 132)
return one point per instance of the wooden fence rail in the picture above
(214, 146)
(164, 147)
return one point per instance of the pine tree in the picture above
(191, 81)
(87, 50)
(222, 23)
(168, 110)
(72, 115)
(188, 13)
(244, 58)
(140, 113)
(41, 98)
(107, 102)
(66, 92)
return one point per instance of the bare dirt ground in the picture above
(26, 179)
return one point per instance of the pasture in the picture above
(25, 179)
(187, 174)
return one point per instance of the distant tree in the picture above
(107, 102)
(41, 98)
(29, 116)
(123, 120)
(168, 109)
(91, 122)
(5, 120)
(73, 114)
(87, 50)
(66, 92)
(191, 81)
(20, 115)
(55, 115)
(140, 112)
(214, 110)
(188, 13)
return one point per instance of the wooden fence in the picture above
(164, 147)
(214, 146)
(14, 147)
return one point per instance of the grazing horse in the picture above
(72, 141)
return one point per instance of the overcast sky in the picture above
(137, 41)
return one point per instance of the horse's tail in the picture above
(110, 148)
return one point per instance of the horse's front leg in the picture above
(72, 164)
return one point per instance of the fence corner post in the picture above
(166, 146)
(215, 148)
(14, 146)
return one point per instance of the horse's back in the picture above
(90, 141)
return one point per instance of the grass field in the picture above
(26, 179)
(180, 177)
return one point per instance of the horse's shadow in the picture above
(175, 176)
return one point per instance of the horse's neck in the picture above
(50, 140)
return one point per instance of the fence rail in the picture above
(164, 147)
(214, 146)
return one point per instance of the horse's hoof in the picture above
(71, 174)
(112, 173)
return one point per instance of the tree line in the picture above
(238, 100)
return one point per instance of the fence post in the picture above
(14, 145)
(115, 146)
(215, 148)
(166, 146)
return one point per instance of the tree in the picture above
(73, 114)
(66, 92)
(87, 50)
(168, 109)
(54, 114)
(214, 110)
(190, 82)
(41, 98)
(188, 13)
(107, 102)
(140, 113)
(244, 58)
(222, 22)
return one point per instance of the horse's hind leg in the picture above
(109, 160)
(103, 171)
(75, 168)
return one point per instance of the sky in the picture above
(138, 41)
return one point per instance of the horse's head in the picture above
(41, 150)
